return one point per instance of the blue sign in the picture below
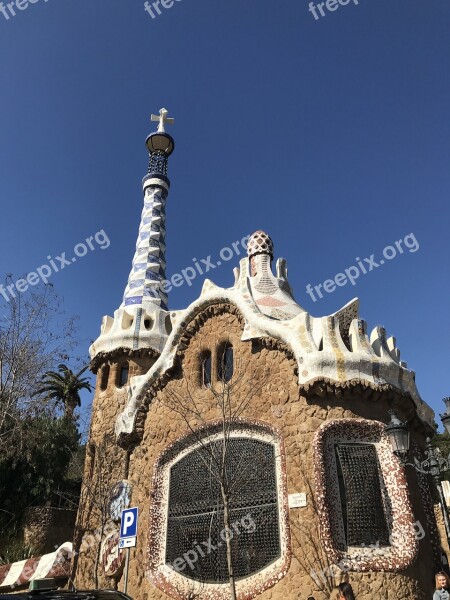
(128, 523)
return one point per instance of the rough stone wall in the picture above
(441, 530)
(105, 464)
(267, 374)
(45, 528)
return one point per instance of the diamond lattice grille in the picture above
(195, 515)
(361, 495)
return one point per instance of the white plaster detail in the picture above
(316, 343)
(155, 181)
(128, 330)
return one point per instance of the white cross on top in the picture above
(162, 118)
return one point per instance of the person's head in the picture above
(345, 592)
(442, 580)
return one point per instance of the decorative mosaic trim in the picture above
(316, 344)
(108, 357)
(175, 584)
(53, 565)
(404, 545)
(189, 329)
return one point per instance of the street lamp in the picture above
(398, 434)
(445, 418)
(433, 465)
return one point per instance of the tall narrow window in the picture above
(225, 364)
(206, 368)
(104, 377)
(123, 375)
(362, 503)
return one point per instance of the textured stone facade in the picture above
(303, 390)
(268, 376)
(45, 528)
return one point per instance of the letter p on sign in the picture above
(128, 524)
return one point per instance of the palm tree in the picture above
(64, 387)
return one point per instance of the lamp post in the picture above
(433, 465)
(398, 434)
(445, 418)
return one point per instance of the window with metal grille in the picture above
(225, 360)
(360, 486)
(195, 525)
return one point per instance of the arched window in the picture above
(188, 542)
(104, 377)
(225, 363)
(205, 368)
(195, 523)
(123, 375)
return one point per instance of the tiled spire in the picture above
(148, 270)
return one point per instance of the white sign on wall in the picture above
(297, 500)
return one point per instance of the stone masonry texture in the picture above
(266, 374)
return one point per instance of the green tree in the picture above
(36, 446)
(35, 475)
(35, 336)
(64, 387)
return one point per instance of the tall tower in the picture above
(148, 271)
(128, 345)
(130, 342)
(142, 321)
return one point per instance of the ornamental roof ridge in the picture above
(334, 347)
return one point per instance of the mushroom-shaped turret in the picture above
(260, 252)
(271, 293)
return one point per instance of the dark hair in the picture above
(346, 590)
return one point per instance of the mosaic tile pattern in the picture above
(56, 564)
(175, 584)
(404, 546)
(149, 264)
(260, 243)
(334, 350)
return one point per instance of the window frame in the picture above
(344, 497)
(222, 366)
(403, 547)
(164, 576)
(206, 355)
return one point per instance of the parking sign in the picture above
(128, 523)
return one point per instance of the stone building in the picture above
(245, 410)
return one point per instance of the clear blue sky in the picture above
(333, 135)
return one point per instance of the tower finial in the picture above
(162, 119)
(145, 283)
